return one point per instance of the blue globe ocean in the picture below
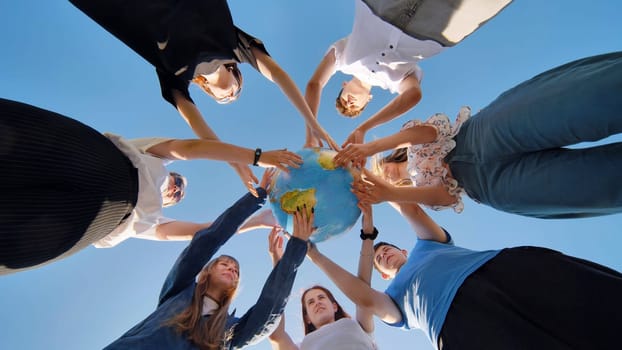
(319, 184)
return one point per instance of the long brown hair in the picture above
(339, 314)
(210, 333)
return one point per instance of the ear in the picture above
(335, 307)
(405, 252)
(344, 84)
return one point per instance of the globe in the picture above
(318, 183)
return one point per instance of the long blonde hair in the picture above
(399, 155)
(210, 333)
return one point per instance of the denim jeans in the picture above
(512, 155)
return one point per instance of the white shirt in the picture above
(380, 54)
(343, 334)
(152, 181)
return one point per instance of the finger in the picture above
(279, 242)
(283, 168)
(254, 178)
(252, 190)
(292, 163)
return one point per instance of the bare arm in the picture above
(179, 230)
(193, 117)
(422, 223)
(357, 153)
(273, 72)
(408, 97)
(313, 92)
(357, 290)
(376, 190)
(216, 150)
(195, 120)
(364, 316)
(280, 340)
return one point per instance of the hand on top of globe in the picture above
(282, 159)
(320, 184)
(353, 154)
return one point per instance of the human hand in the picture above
(355, 154)
(371, 189)
(321, 134)
(303, 222)
(280, 159)
(356, 136)
(266, 179)
(248, 178)
(275, 245)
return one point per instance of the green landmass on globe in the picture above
(292, 200)
(318, 184)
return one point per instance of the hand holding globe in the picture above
(318, 184)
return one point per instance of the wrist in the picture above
(257, 156)
(371, 236)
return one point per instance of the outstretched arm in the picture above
(422, 223)
(217, 150)
(357, 153)
(356, 289)
(364, 316)
(195, 120)
(376, 190)
(273, 72)
(409, 96)
(313, 92)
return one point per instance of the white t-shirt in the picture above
(152, 181)
(343, 334)
(380, 54)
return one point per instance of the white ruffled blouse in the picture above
(426, 164)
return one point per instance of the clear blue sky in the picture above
(55, 57)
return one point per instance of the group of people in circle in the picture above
(101, 189)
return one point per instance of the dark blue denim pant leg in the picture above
(512, 156)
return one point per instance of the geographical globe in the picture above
(318, 183)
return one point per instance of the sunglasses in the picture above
(179, 188)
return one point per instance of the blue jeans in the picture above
(511, 154)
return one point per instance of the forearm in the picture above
(426, 195)
(354, 288)
(179, 230)
(203, 149)
(401, 104)
(289, 88)
(421, 222)
(313, 95)
(193, 117)
(280, 340)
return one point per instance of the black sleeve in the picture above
(170, 82)
(243, 50)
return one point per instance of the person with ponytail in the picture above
(193, 307)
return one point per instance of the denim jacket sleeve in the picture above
(206, 243)
(261, 320)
